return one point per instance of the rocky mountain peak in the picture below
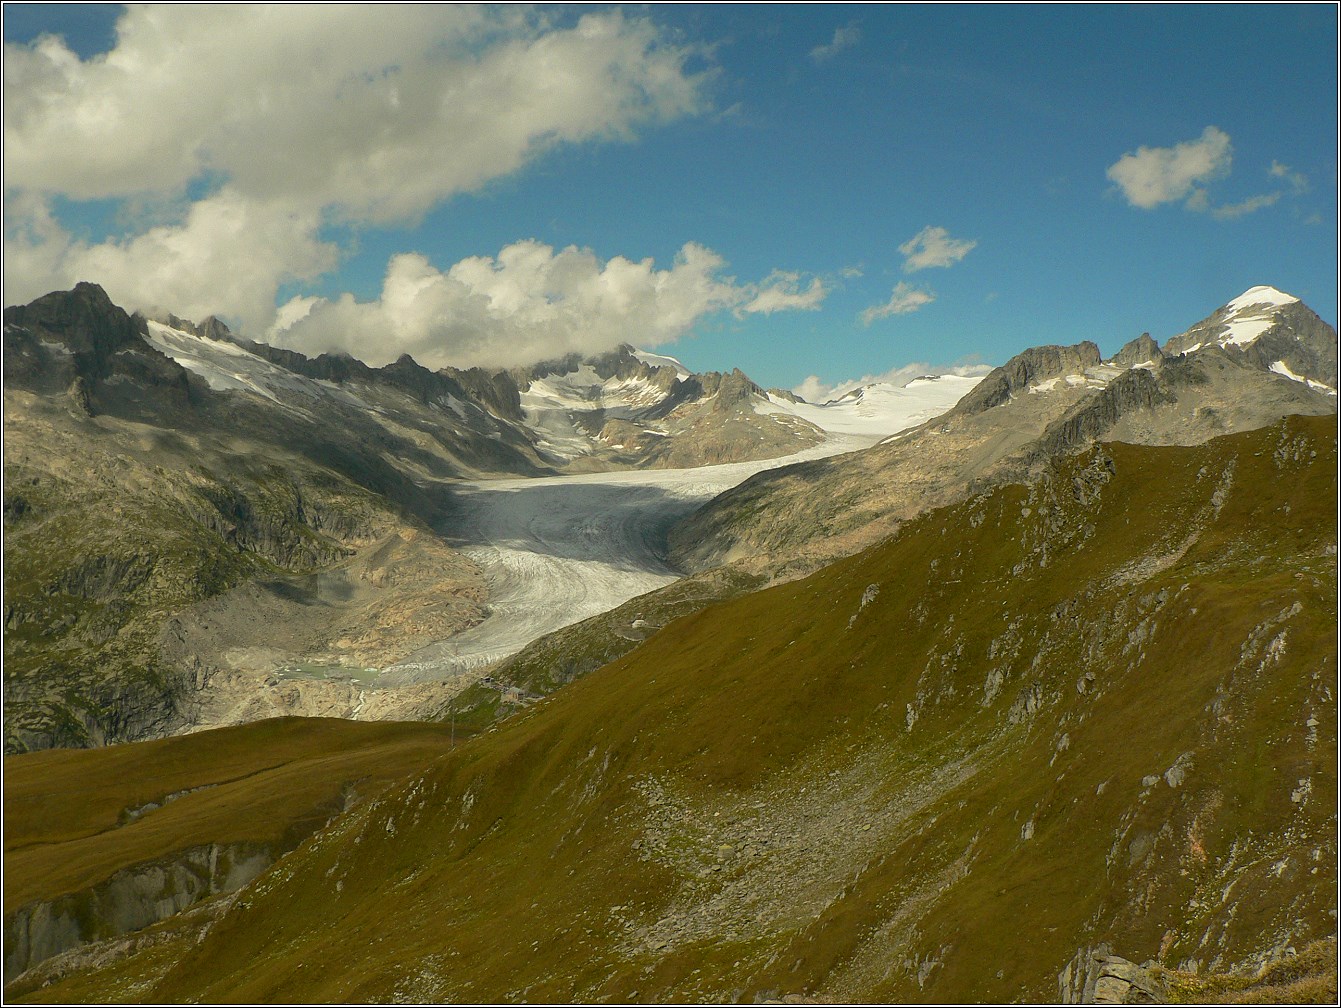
(79, 342)
(211, 328)
(83, 320)
(1271, 330)
(736, 390)
(1143, 348)
(1034, 365)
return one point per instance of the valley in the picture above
(670, 504)
(841, 786)
(560, 549)
(785, 699)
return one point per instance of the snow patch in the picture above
(1094, 378)
(1281, 368)
(1259, 296)
(1244, 331)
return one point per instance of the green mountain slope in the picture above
(1099, 709)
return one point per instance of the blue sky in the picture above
(484, 187)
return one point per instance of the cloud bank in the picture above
(247, 135)
(531, 303)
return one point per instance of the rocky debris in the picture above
(1088, 483)
(1096, 976)
(774, 998)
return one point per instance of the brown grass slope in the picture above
(78, 820)
(1096, 709)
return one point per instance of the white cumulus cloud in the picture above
(376, 112)
(782, 291)
(531, 303)
(903, 299)
(229, 255)
(1155, 175)
(253, 129)
(933, 246)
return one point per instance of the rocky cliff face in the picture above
(130, 900)
(1140, 350)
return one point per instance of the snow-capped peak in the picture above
(1238, 323)
(1258, 296)
(1250, 314)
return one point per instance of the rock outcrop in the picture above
(130, 900)
(1096, 976)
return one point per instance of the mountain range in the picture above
(1008, 686)
(181, 504)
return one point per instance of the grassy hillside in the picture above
(73, 817)
(98, 842)
(1099, 709)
